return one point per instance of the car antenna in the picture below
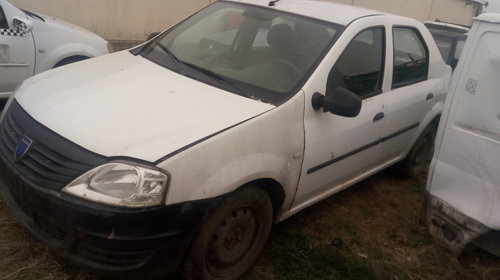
(272, 3)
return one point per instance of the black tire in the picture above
(420, 153)
(232, 238)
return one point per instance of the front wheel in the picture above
(420, 153)
(232, 238)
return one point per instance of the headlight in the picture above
(121, 184)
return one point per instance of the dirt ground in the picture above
(373, 230)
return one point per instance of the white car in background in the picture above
(32, 43)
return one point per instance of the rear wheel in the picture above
(420, 153)
(232, 238)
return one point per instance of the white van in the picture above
(464, 179)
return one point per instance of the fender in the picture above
(48, 60)
(269, 146)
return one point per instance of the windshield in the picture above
(255, 52)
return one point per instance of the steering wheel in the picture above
(294, 69)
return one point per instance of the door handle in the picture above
(379, 116)
(429, 96)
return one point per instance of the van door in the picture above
(466, 173)
(464, 179)
(17, 51)
(340, 149)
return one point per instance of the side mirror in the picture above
(22, 25)
(341, 102)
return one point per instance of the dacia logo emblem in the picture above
(23, 147)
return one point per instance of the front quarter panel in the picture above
(269, 146)
(56, 40)
(51, 57)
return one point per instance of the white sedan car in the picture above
(182, 152)
(31, 43)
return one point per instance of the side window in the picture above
(3, 19)
(411, 57)
(360, 68)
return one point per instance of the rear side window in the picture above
(3, 19)
(411, 57)
(360, 68)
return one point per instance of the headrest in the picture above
(280, 36)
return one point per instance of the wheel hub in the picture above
(232, 238)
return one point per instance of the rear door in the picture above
(411, 96)
(17, 51)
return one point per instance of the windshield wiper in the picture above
(33, 15)
(205, 71)
(216, 77)
(169, 53)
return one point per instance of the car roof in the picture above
(323, 10)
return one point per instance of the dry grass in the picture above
(378, 220)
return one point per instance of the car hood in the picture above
(121, 105)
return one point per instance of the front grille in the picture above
(52, 161)
(116, 253)
(49, 228)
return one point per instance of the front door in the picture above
(340, 149)
(17, 51)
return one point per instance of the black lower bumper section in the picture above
(146, 241)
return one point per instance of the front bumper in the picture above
(144, 241)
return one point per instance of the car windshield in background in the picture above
(450, 44)
(444, 45)
(255, 52)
